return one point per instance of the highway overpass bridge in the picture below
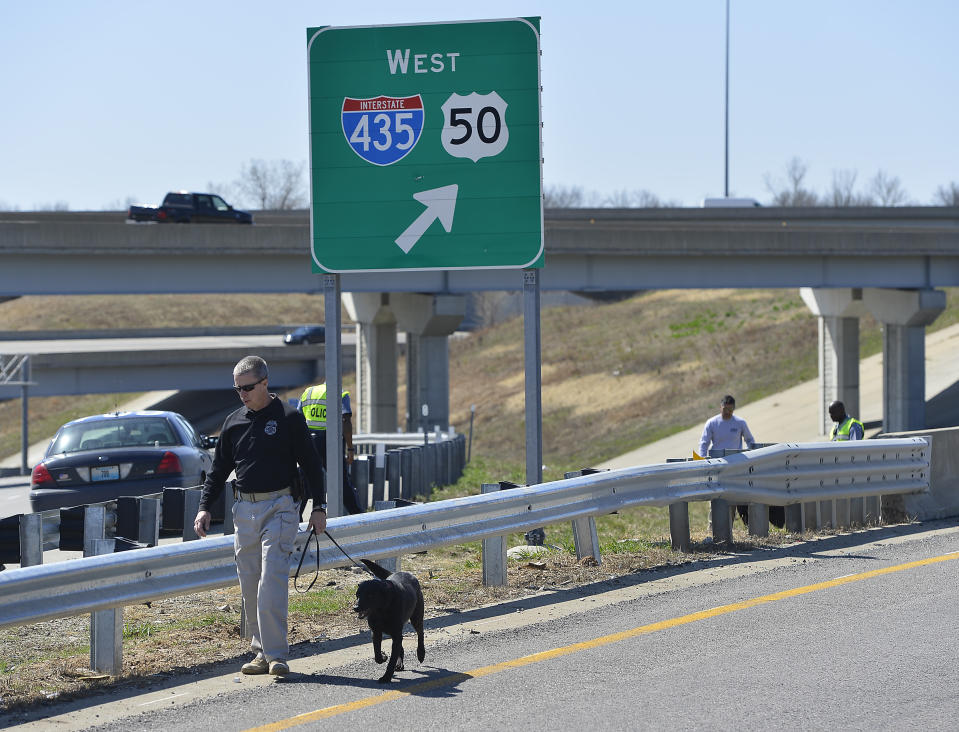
(887, 261)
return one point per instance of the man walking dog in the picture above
(263, 441)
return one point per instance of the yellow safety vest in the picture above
(840, 432)
(313, 406)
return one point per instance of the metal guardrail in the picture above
(778, 475)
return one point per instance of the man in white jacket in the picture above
(725, 431)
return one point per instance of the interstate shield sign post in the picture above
(425, 146)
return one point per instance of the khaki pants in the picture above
(263, 542)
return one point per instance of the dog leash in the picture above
(355, 563)
(317, 571)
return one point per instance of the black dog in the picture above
(387, 603)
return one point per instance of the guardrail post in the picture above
(394, 469)
(494, 552)
(810, 516)
(794, 521)
(106, 626)
(412, 487)
(94, 527)
(446, 472)
(857, 511)
(128, 517)
(758, 519)
(31, 539)
(585, 539)
(379, 472)
(873, 514)
(841, 513)
(191, 505)
(458, 461)
(436, 465)
(722, 521)
(431, 464)
(390, 563)
(361, 481)
(172, 515)
(149, 521)
(429, 468)
(679, 526)
(827, 512)
(406, 473)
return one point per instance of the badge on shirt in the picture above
(270, 427)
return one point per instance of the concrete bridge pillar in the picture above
(428, 321)
(904, 315)
(839, 310)
(375, 403)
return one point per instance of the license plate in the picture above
(106, 472)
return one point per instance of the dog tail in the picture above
(376, 569)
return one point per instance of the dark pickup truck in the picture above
(185, 208)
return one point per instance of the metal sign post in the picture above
(24, 416)
(334, 397)
(534, 384)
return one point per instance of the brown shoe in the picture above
(279, 668)
(257, 666)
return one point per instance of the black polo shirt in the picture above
(264, 448)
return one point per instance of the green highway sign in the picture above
(425, 146)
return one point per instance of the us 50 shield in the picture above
(383, 130)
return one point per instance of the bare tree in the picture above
(55, 206)
(227, 191)
(947, 195)
(4, 206)
(792, 193)
(843, 191)
(576, 197)
(273, 185)
(120, 205)
(634, 199)
(488, 306)
(888, 191)
(563, 197)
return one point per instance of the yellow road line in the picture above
(453, 679)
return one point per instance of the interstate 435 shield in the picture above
(383, 130)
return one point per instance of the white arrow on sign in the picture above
(440, 203)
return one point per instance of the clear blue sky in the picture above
(105, 101)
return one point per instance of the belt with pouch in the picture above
(265, 495)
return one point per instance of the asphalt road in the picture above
(848, 632)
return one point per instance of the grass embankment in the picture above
(614, 376)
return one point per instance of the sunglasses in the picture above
(247, 387)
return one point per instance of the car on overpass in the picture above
(305, 334)
(180, 207)
(100, 458)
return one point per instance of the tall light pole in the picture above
(726, 188)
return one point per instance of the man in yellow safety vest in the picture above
(313, 405)
(846, 427)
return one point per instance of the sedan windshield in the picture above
(107, 433)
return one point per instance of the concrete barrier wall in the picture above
(943, 497)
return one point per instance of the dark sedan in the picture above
(305, 334)
(100, 458)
